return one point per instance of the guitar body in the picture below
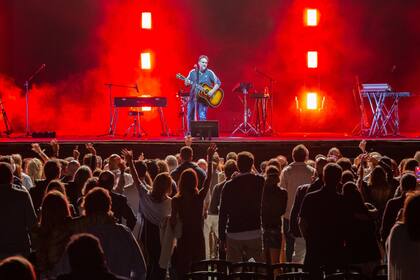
(202, 96)
(212, 101)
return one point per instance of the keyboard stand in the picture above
(384, 114)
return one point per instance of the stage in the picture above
(263, 148)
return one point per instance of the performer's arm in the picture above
(216, 83)
(188, 80)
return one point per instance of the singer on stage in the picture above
(198, 76)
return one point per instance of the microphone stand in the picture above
(112, 110)
(271, 82)
(27, 90)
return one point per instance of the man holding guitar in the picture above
(205, 90)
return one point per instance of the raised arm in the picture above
(128, 157)
(121, 180)
(210, 152)
(55, 148)
(37, 149)
(93, 161)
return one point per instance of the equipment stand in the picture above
(245, 127)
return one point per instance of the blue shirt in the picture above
(207, 77)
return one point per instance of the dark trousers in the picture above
(290, 240)
(152, 243)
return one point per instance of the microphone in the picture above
(43, 66)
(195, 66)
(137, 88)
(393, 68)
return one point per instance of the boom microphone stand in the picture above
(26, 86)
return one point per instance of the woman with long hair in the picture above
(273, 206)
(34, 169)
(362, 245)
(75, 187)
(52, 233)
(187, 208)
(404, 242)
(155, 206)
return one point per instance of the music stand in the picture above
(245, 127)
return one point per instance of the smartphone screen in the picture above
(418, 174)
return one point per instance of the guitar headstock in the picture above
(179, 76)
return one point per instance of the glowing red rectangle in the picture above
(146, 20)
(312, 59)
(311, 17)
(311, 100)
(146, 61)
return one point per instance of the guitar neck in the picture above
(197, 85)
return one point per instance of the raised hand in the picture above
(55, 146)
(36, 148)
(211, 150)
(90, 148)
(128, 155)
(76, 153)
(188, 140)
(362, 146)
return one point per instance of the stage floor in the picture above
(263, 147)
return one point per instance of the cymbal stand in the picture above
(245, 127)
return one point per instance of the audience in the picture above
(361, 242)
(186, 154)
(240, 213)
(155, 206)
(187, 209)
(339, 213)
(404, 242)
(273, 206)
(122, 252)
(120, 206)
(323, 219)
(301, 191)
(87, 260)
(294, 175)
(16, 267)
(17, 216)
(52, 234)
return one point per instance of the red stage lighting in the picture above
(146, 61)
(311, 17)
(311, 101)
(146, 109)
(146, 20)
(312, 59)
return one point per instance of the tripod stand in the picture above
(245, 127)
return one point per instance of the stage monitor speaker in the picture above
(205, 129)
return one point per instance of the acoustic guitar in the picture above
(213, 100)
